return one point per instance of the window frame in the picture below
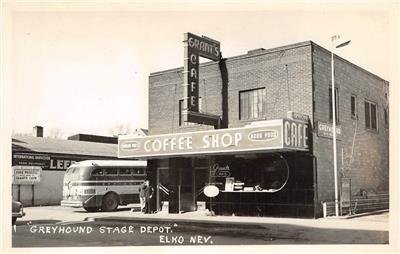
(386, 116)
(355, 115)
(369, 102)
(252, 105)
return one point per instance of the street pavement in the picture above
(47, 226)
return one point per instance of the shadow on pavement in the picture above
(35, 222)
(122, 209)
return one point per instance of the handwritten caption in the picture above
(165, 234)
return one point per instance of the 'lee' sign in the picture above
(282, 134)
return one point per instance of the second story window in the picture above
(353, 106)
(336, 104)
(252, 104)
(386, 116)
(370, 116)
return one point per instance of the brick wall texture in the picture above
(297, 78)
(367, 161)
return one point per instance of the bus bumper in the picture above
(72, 203)
(88, 201)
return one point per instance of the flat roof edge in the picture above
(268, 51)
(263, 52)
(352, 64)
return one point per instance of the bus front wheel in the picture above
(110, 202)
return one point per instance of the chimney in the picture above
(38, 131)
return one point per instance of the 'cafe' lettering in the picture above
(295, 134)
(196, 46)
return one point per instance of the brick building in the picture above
(255, 89)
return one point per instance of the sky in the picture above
(87, 71)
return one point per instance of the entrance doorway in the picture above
(180, 182)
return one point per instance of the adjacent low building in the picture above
(39, 163)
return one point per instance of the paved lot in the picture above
(58, 214)
(195, 228)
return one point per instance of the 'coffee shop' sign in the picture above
(282, 134)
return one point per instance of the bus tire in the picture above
(91, 209)
(110, 202)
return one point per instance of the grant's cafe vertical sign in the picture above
(195, 47)
(274, 135)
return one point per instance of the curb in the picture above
(366, 214)
(346, 217)
(185, 221)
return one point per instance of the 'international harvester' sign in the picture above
(282, 134)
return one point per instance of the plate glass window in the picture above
(252, 104)
(371, 121)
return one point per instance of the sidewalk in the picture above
(58, 214)
(372, 222)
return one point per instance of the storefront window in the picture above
(269, 173)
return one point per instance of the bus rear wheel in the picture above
(110, 202)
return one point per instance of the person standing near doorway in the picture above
(148, 193)
(142, 195)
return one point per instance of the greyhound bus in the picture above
(103, 184)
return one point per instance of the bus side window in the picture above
(110, 171)
(124, 171)
(137, 171)
(97, 172)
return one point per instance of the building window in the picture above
(336, 104)
(370, 116)
(252, 104)
(181, 122)
(386, 116)
(353, 106)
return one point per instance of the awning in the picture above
(273, 135)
